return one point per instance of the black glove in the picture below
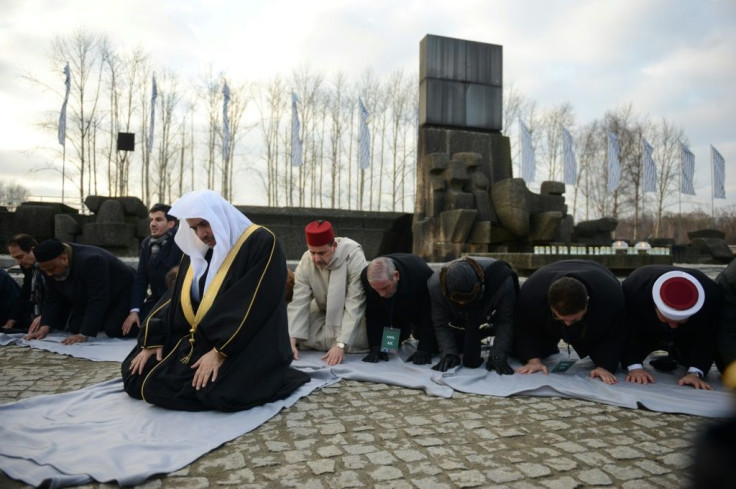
(472, 361)
(376, 355)
(664, 364)
(447, 362)
(500, 365)
(420, 357)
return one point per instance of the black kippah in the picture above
(48, 250)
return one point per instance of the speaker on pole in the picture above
(126, 141)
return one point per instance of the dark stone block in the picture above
(706, 233)
(460, 60)
(36, 220)
(552, 188)
(66, 228)
(110, 211)
(115, 235)
(715, 247)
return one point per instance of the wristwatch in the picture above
(340, 345)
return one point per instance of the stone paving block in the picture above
(429, 482)
(467, 478)
(503, 474)
(562, 464)
(562, 483)
(347, 478)
(595, 477)
(386, 473)
(231, 461)
(533, 470)
(323, 466)
(329, 451)
(652, 467)
(354, 462)
(624, 473)
(624, 453)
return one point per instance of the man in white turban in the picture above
(220, 340)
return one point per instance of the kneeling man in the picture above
(221, 340)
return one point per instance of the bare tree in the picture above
(82, 51)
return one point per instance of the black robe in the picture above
(408, 309)
(601, 334)
(243, 316)
(726, 353)
(694, 341)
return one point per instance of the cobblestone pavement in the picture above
(358, 434)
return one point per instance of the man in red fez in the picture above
(672, 309)
(327, 310)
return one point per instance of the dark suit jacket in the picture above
(93, 296)
(152, 271)
(601, 334)
(695, 341)
(727, 330)
(409, 308)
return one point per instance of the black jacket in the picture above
(93, 296)
(408, 309)
(601, 334)
(495, 306)
(694, 341)
(152, 271)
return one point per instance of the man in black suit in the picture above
(397, 298)
(159, 254)
(87, 291)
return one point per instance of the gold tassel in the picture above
(188, 356)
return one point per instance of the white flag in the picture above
(719, 173)
(296, 143)
(614, 167)
(687, 164)
(62, 116)
(650, 169)
(154, 96)
(225, 121)
(528, 163)
(364, 139)
(570, 165)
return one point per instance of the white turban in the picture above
(227, 224)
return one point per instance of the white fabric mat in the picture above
(101, 434)
(664, 396)
(99, 349)
(394, 372)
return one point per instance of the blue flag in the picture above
(154, 96)
(569, 163)
(650, 169)
(364, 139)
(296, 143)
(62, 116)
(687, 163)
(614, 167)
(719, 173)
(528, 163)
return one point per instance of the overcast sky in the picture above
(672, 59)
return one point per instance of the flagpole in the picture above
(712, 191)
(63, 170)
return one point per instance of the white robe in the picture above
(308, 308)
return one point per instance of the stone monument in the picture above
(467, 200)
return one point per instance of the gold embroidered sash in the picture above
(211, 293)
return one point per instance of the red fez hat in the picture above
(678, 295)
(319, 233)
